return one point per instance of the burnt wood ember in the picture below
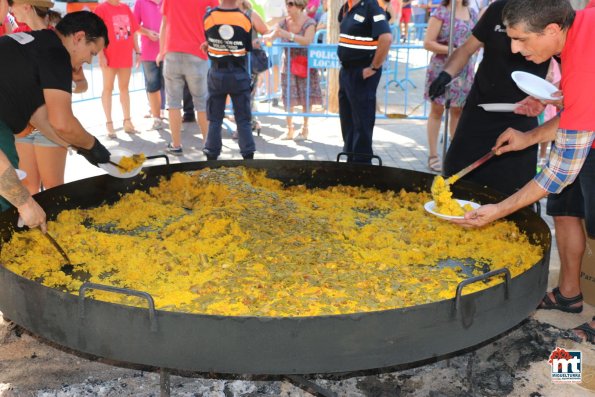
(495, 369)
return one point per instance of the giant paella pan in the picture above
(272, 344)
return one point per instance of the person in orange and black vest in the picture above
(364, 42)
(229, 38)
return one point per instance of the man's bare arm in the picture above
(485, 214)
(15, 193)
(40, 121)
(62, 120)
(80, 81)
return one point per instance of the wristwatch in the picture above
(375, 69)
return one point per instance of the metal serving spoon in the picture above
(67, 268)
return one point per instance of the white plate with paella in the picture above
(465, 206)
(130, 164)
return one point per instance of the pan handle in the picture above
(483, 277)
(371, 156)
(156, 156)
(124, 291)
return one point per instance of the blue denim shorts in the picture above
(180, 67)
(578, 198)
(36, 138)
(153, 76)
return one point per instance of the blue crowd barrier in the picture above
(402, 61)
(397, 90)
(95, 82)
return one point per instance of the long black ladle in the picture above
(66, 268)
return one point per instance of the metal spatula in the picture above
(135, 157)
(117, 165)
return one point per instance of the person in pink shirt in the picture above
(181, 36)
(148, 15)
(312, 7)
(116, 60)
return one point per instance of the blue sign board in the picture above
(323, 57)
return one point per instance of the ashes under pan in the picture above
(257, 345)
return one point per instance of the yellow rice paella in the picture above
(231, 241)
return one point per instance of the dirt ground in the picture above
(514, 364)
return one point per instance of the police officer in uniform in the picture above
(364, 42)
(229, 38)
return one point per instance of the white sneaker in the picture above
(157, 124)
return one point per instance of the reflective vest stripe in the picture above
(359, 38)
(358, 47)
(221, 53)
(344, 40)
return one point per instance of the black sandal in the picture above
(562, 303)
(587, 330)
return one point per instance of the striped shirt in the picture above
(568, 153)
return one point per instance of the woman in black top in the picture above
(478, 129)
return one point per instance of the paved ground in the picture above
(400, 143)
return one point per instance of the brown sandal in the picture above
(302, 135)
(434, 164)
(129, 127)
(289, 135)
(111, 133)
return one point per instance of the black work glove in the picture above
(97, 154)
(438, 86)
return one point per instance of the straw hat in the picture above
(37, 3)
